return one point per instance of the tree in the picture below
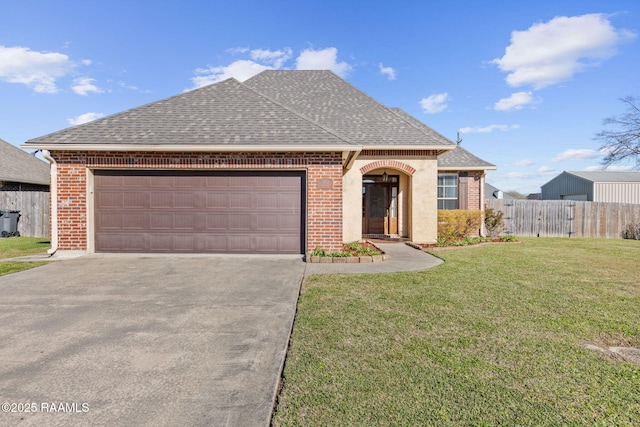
(621, 142)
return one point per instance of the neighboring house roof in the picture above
(606, 176)
(534, 196)
(274, 110)
(18, 166)
(491, 192)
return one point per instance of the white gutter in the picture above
(467, 168)
(54, 202)
(192, 148)
(409, 147)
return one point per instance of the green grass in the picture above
(491, 337)
(13, 247)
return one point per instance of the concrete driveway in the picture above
(146, 340)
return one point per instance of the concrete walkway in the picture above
(402, 258)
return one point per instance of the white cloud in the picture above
(524, 163)
(577, 154)
(546, 170)
(612, 168)
(434, 103)
(240, 70)
(552, 52)
(84, 118)
(84, 85)
(265, 59)
(387, 71)
(37, 70)
(275, 58)
(488, 129)
(515, 102)
(323, 59)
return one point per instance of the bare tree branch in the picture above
(621, 140)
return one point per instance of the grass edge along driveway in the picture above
(494, 336)
(12, 247)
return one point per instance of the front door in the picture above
(380, 205)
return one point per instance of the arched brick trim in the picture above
(387, 164)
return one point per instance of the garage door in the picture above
(196, 212)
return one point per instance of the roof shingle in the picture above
(283, 108)
(222, 114)
(19, 166)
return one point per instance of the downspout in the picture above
(54, 202)
(483, 229)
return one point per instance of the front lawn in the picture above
(494, 336)
(12, 247)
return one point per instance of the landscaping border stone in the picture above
(350, 259)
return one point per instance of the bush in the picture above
(632, 231)
(458, 224)
(493, 221)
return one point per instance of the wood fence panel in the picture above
(34, 210)
(565, 218)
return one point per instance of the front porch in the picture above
(391, 199)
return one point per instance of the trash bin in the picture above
(9, 223)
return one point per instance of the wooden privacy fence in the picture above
(565, 218)
(34, 211)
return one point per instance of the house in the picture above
(493, 193)
(20, 171)
(283, 163)
(597, 186)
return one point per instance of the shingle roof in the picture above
(330, 101)
(490, 192)
(19, 166)
(458, 158)
(607, 176)
(223, 114)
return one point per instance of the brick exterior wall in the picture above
(473, 190)
(323, 192)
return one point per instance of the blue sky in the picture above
(527, 84)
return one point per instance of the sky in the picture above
(526, 85)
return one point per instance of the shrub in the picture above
(493, 221)
(458, 224)
(360, 250)
(319, 252)
(631, 231)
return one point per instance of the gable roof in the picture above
(607, 176)
(18, 166)
(273, 111)
(491, 192)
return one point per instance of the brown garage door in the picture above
(169, 211)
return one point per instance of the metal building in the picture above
(597, 186)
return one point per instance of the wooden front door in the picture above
(379, 207)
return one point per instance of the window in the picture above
(447, 191)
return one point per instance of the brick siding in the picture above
(323, 192)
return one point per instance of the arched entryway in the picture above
(385, 201)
